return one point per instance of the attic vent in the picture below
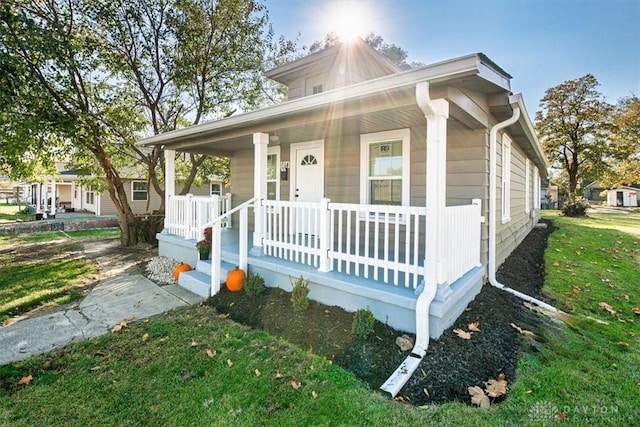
(317, 89)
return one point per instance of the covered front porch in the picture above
(354, 256)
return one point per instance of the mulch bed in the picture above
(451, 364)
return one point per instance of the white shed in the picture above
(623, 196)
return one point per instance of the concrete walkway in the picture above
(123, 296)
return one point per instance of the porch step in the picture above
(198, 281)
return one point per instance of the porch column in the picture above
(260, 142)
(54, 192)
(169, 184)
(436, 112)
(38, 196)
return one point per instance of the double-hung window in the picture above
(506, 179)
(138, 190)
(216, 188)
(527, 186)
(273, 173)
(384, 168)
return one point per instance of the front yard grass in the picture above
(43, 275)
(193, 367)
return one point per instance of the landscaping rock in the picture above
(405, 343)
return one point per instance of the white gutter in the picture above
(493, 209)
(436, 113)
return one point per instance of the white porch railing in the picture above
(385, 243)
(187, 215)
(461, 239)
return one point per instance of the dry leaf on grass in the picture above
(474, 327)
(257, 372)
(497, 388)
(119, 327)
(295, 384)
(145, 337)
(278, 376)
(314, 394)
(636, 310)
(26, 380)
(194, 344)
(523, 332)
(229, 363)
(478, 397)
(210, 352)
(622, 344)
(607, 307)
(462, 334)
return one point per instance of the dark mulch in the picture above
(451, 363)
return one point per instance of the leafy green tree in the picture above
(574, 126)
(626, 144)
(395, 54)
(62, 97)
(189, 60)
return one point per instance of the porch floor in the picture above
(393, 305)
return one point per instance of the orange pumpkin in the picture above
(179, 269)
(235, 279)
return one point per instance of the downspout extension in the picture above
(401, 375)
(493, 143)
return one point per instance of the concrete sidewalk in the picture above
(111, 301)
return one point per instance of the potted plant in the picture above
(204, 247)
(208, 231)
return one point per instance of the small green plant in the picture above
(254, 285)
(300, 295)
(363, 323)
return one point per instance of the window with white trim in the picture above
(536, 188)
(138, 190)
(384, 168)
(273, 173)
(89, 198)
(506, 179)
(527, 186)
(216, 188)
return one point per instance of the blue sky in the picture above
(541, 43)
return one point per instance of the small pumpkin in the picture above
(179, 269)
(235, 279)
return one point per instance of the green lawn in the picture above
(42, 275)
(12, 212)
(159, 372)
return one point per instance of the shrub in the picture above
(254, 285)
(363, 323)
(300, 295)
(574, 208)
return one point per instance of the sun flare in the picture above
(348, 19)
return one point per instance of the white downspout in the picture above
(493, 209)
(436, 112)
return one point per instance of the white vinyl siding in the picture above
(384, 168)
(527, 186)
(536, 189)
(506, 179)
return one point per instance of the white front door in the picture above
(307, 183)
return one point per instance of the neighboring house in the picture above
(65, 192)
(623, 196)
(549, 195)
(380, 187)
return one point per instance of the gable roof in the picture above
(357, 53)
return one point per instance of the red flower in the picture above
(204, 245)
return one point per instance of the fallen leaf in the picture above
(478, 397)
(496, 388)
(129, 319)
(425, 392)
(116, 328)
(636, 310)
(462, 334)
(314, 394)
(229, 363)
(257, 372)
(223, 315)
(622, 344)
(607, 307)
(210, 352)
(295, 384)
(631, 334)
(561, 416)
(26, 380)
(194, 344)
(278, 376)
(475, 326)
(145, 337)
(556, 264)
